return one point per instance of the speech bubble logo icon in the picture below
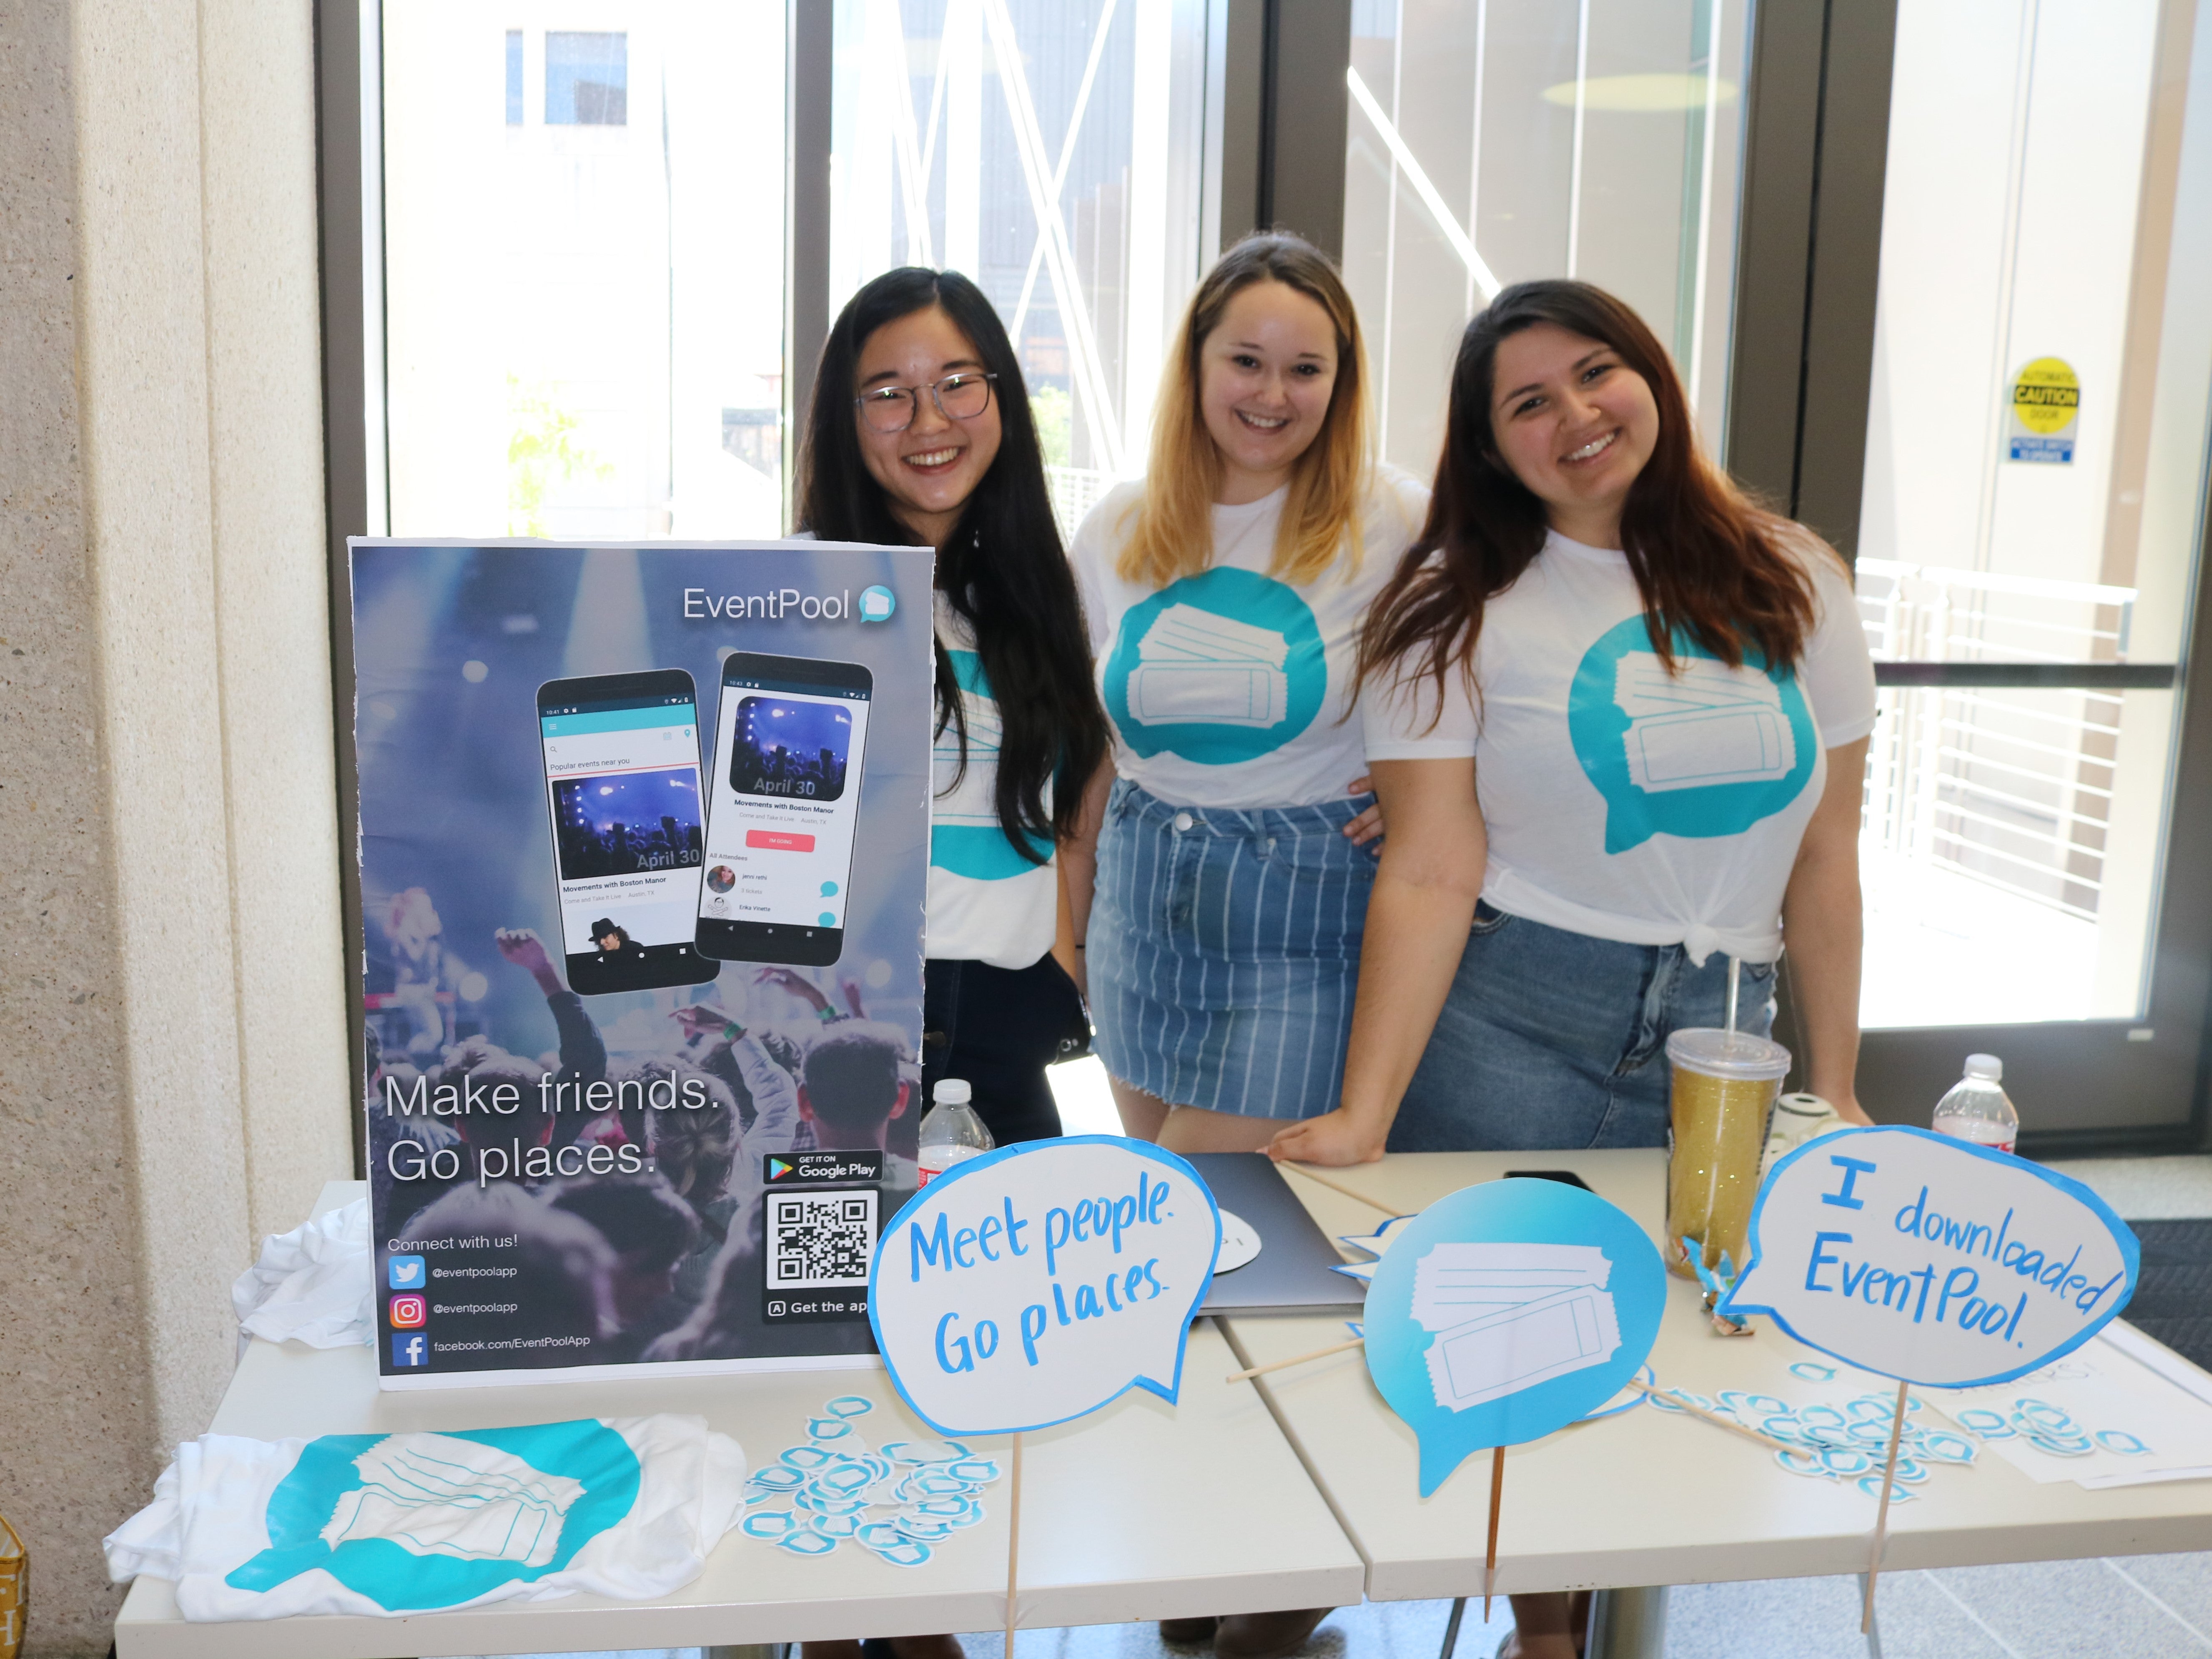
(1698, 749)
(1507, 1310)
(877, 603)
(1931, 1260)
(1037, 1283)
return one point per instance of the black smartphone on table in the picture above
(621, 753)
(790, 741)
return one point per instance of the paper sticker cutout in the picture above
(1240, 1244)
(1038, 1282)
(1374, 1246)
(1507, 1310)
(897, 1501)
(1930, 1260)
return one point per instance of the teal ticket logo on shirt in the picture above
(965, 834)
(419, 1520)
(1702, 751)
(1217, 668)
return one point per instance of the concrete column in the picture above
(172, 1021)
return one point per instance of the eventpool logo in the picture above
(877, 603)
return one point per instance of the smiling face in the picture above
(1574, 424)
(1265, 375)
(930, 470)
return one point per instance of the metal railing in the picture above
(2011, 786)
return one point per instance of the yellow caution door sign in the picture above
(2046, 396)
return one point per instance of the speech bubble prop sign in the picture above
(1507, 1310)
(1931, 1260)
(1037, 1283)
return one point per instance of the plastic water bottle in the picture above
(951, 1132)
(1976, 1109)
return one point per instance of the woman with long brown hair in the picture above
(1225, 594)
(1617, 718)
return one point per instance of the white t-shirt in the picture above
(1230, 688)
(1621, 802)
(987, 902)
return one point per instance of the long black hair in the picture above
(1003, 567)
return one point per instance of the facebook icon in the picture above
(409, 1348)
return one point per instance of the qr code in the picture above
(818, 1240)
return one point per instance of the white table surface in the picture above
(1141, 1511)
(1649, 1497)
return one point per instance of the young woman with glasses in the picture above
(921, 433)
(1618, 718)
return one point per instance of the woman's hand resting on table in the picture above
(1335, 1138)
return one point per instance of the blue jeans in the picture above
(1225, 951)
(1553, 1041)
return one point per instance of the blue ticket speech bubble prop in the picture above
(1507, 1310)
(1930, 1260)
(1037, 1283)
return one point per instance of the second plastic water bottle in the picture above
(1978, 1108)
(951, 1132)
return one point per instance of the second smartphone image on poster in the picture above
(784, 801)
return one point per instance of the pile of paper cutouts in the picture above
(897, 1501)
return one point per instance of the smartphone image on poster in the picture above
(790, 739)
(622, 794)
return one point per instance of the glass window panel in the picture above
(1051, 151)
(514, 78)
(584, 313)
(2040, 237)
(1490, 143)
(1993, 851)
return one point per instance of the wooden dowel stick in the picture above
(1881, 1515)
(1490, 1553)
(1713, 1417)
(1312, 1174)
(1013, 1546)
(1295, 1359)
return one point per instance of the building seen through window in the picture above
(587, 78)
(584, 301)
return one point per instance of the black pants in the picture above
(999, 1028)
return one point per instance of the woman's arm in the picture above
(1417, 918)
(1079, 874)
(1823, 932)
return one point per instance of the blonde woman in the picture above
(1225, 594)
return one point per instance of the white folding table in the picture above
(1142, 1510)
(1648, 1498)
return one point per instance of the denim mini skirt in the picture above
(1224, 951)
(1553, 1040)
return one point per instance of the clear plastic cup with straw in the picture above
(1724, 1090)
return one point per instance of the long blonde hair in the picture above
(1172, 536)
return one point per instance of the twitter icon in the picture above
(406, 1272)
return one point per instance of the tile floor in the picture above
(2153, 1607)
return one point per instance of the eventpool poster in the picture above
(643, 837)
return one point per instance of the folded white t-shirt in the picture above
(385, 1525)
(1622, 801)
(1233, 688)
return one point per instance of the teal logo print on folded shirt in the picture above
(1703, 751)
(965, 836)
(419, 1521)
(1217, 668)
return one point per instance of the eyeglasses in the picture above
(960, 397)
